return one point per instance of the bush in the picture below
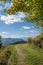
(38, 41)
(7, 54)
(30, 40)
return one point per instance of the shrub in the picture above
(38, 41)
(30, 40)
(7, 54)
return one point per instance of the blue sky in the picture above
(15, 26)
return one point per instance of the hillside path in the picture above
(21, 56)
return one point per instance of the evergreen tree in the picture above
(0, 42)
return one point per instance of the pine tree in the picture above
(0, 42)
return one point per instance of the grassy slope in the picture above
(9, 55)
(33, 56)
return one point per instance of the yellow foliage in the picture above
(33, 14)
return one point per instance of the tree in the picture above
(32, 8)
(30, 40)
(0, 42)
(39, 40)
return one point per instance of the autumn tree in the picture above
(32, 8)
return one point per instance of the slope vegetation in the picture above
(21, 54)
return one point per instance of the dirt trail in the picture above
(21, 56)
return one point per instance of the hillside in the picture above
(21, 54)
(7, 41)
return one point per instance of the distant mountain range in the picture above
(6, 41)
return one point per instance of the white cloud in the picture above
(21, 15)
(32, 26)
(32, 31)
(9, 19)
(7, 35)
(1, 33)
(4, 34)
(12, 36)
(26, 27)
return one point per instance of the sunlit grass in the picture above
(33, 56)
(9, 55)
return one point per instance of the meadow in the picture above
(21, 54)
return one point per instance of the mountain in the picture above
(25, 38)
(6, 41)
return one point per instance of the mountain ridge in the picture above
(6, 41)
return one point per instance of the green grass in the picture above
(33, 56)
(14, 56)
(11, 58)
